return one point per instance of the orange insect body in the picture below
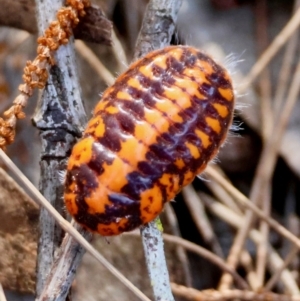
(152, 132)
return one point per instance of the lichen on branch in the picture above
(36, 72)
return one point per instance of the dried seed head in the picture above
(36, 72)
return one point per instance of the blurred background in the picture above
(235, 33)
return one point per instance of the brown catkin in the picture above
(35, 73)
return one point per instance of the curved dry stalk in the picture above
(267, 118)
(286, 68)
(246, 262)
(201, 220)
(271, 51)
(243, 200)
(264, 82)
(273, 280)
(39, 198)
(119, 52)
(213, 295)
(223, 196)
(264, 171)
(236, 221)
(94, 62)
(181, 254)
(208, 255)
(262, 247)
(2, 296)
(192, 247)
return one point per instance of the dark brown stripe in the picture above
(145, 96)
(174, 65)
(134, 107)
(137, 183)
(99, 157)
(112, 136)
(188, 58)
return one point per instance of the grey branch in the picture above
(64, 268)
(158, 26)
(156, 32)
(156, 262)
(60, 118)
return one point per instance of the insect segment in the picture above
(152, 132)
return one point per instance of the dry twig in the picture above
(94, 61)
(213, 295)
(266, 164)
(119, 53)
(266, 114)
(156, 32)
(264, 82)
(2, 296)
(204, 253)
(273, 280)
(271, 51)
(285, 71)
(181, 254)
(201, 220)
(236, 221)
(243, 200)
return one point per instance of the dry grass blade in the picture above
(223, 196)
(2, 296)
(273, 280)
(119, 52)
(201, 220)
(236, 221)
(38, 197)
(192, 247)
(181, 254)
(262, 248)
(208, 255)
(213, 295)
(264, 82)
(243, 200)
(286, 67)
(266, 113)
(246, 262)
(264, 171)
(271, 51)
(95, 62)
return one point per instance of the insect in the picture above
(152, 132)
